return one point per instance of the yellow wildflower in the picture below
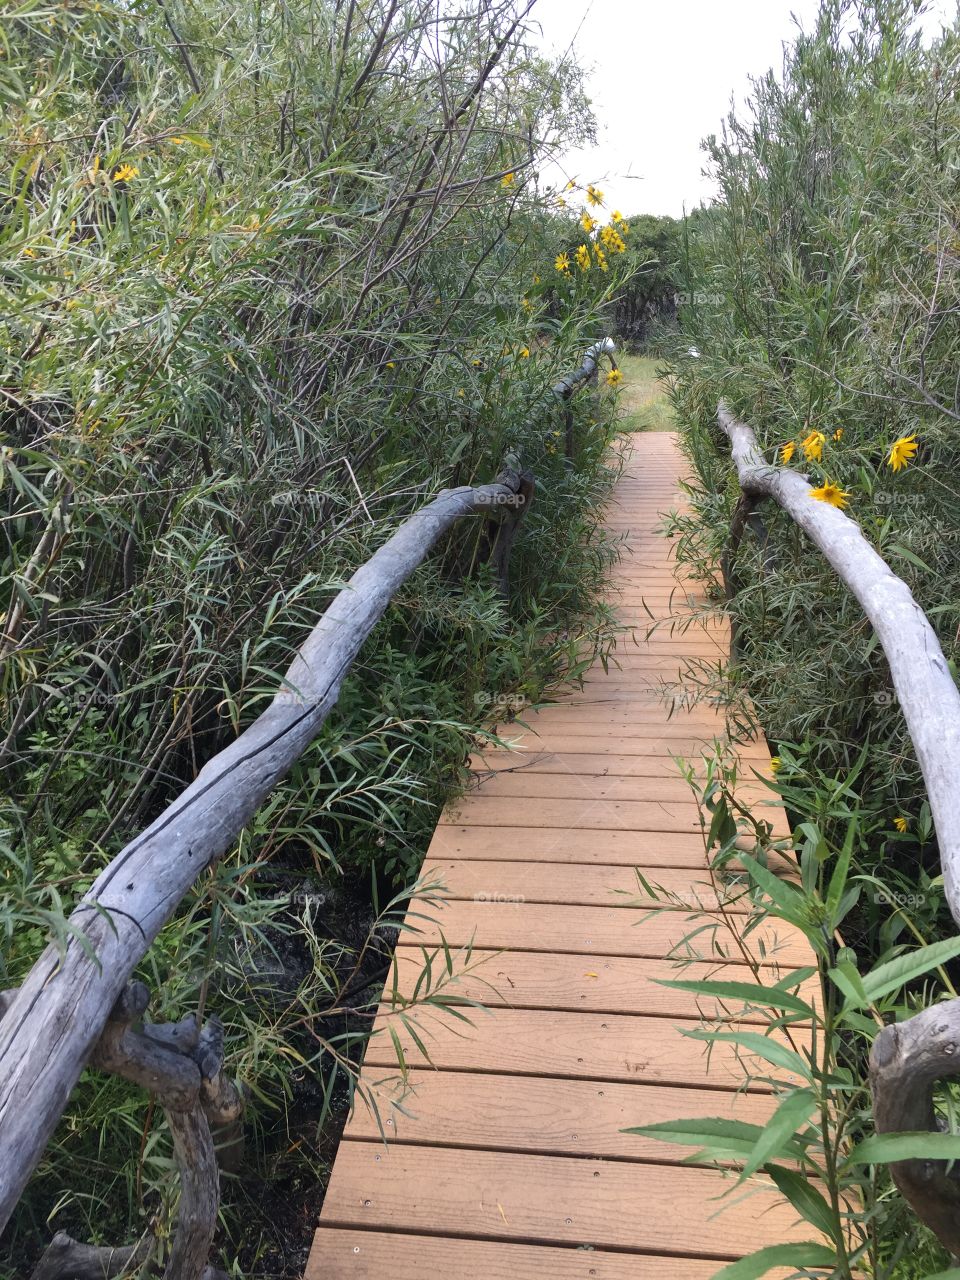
(29, 253)
(561, 203)
(391, 364)
(507, 180)
(617, 217)
(838, 434)
(536, 279)
(476, 363)
(832, 494)
(582, 256)
(787, 451)
(601, 257)
(901, 824)
(570, 185)
(587, 222)
(524, 353)
(126, 173)
(776, 764)
(594, 195)
(902, 452)
(562, 262)
(178, 142)
(813, 446)
(614, 378)
(526, 304)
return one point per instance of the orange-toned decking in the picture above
(512, 1163)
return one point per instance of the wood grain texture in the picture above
(583, 983)
(509, 1160)
(604, 1204)
(580, 1046)
(545, 1116)
(344, 1254)
(555, 930)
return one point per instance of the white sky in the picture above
(663, 72)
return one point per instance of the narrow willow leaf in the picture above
(792, 1256)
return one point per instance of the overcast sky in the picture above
(661, 79)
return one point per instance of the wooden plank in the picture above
(344, 1254)
(609, 786)
(598, 885)
(582, 983)
(544, 1116)
(574, 763)
(595, 744)
(604, 1204)
(528, 844)
(531, 926)
(587, 813)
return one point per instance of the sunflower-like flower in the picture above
(587, 222)
(901, 824)
(126, 173)
(582, 256)
(594, 195)
(562, 263)
(508, 180)
(614, 378)
(787, 451)
(902, 452)
(813, 446)
(831, 494)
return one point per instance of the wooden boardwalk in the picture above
(511, 1163)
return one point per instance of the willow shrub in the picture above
(825, 289)
(823, 293)
(272, 275)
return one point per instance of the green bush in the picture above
(273, 276)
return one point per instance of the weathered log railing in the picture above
(78, 1007)
(572, 382)
(907, 1058)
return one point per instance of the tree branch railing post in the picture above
(908, 1058)
(77, 1007)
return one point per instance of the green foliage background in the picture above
(825, 286)
(272, 274)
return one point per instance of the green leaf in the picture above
(792, 1113)
(733, 1137)
(906, 554)
(806, 1199)
(838, 880)
(764, 997)
(847, 978)
(790, 904)
(884, 1148)
(793, 1256)
(762, 1046)
(896, 973)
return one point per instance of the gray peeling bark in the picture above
(55, 1019)
(909, 1057)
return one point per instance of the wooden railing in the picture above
(907, 1058)
(78, 1006)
